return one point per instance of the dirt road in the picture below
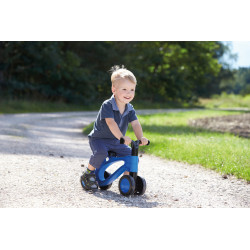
(40, 166)
(235, 124)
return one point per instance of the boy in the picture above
(111, 124)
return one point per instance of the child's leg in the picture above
(88, 178)
(91, 168)
(100, 153)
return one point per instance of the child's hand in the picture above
(144, 141)
(127, 140)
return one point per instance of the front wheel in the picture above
(127, 185)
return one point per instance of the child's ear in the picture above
(113, 89)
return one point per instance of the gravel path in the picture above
(40, 166)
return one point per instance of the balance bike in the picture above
(128, 184)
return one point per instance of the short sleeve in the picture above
(132, 116)
(106, 111)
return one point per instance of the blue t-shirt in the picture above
(109, 109)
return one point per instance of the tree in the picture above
(239, 83)
(78, 71)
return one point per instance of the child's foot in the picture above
(88, 180)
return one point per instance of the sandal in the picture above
(88, 181)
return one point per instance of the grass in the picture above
(31, 106)
(171, 138)
(226, 101)
(28, 106)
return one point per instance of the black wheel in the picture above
(140, 186)
(106, 175)
(127, 185)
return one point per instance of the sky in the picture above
(242, 48)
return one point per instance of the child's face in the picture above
(124, 91)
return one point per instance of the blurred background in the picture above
(169, 74)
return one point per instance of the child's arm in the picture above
(116, 131)
(138, 132)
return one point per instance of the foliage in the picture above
(42, 70)
(77, 71)
(239, 83)
(172, 70)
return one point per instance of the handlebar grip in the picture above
(146, 144)
(122, 140)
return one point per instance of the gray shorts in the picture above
(100, 148)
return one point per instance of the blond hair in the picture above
(119, 73)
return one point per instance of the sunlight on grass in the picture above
(171, 138)
(226, 101)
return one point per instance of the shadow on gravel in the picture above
(131, 201)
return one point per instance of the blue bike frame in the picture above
(130, 165)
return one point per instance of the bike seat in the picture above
(112, 154)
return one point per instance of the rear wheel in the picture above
(106, 175)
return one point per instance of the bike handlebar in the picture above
(122, 141)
